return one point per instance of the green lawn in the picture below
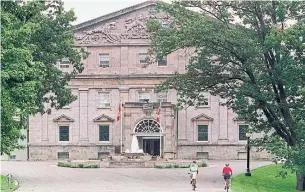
(264, 180)
(4, 185)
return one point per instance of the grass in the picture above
(265, 179)
(5, 187)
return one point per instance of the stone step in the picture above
(127, 164)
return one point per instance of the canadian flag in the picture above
(158, 114)
(119, 113)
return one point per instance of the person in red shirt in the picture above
(227, 174)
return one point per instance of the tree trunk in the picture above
(300, 181)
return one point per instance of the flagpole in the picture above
(121, 106)
(160, 132)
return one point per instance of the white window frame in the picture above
(104, 55)
(141, 61)
(238, 128)
(207, 96)
(104, 103)
(144, 92)
(197, 133)
(97, 133)
(64, 63)
(70, 132)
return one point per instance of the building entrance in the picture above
(151, 146)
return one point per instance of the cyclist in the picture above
(227, 174)
(194, 171)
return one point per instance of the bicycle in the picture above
(193, 182)
(227, 185)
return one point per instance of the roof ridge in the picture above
(114, 14)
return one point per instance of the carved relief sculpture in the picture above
(135, 28)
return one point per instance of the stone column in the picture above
(223, 123)
(123, 94)
(44, 128)
(83, 114)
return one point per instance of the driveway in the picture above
(47, 177)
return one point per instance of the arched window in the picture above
(147, 126)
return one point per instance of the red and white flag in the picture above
(119, 112)
(158, 114)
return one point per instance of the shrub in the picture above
(80, 165)
(184, 166)
(204, 164)
(74, 166)
(169, 166)
(159, 166)
(176, 166)
(63, 164)
(91, 166)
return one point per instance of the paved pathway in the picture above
(47, 177)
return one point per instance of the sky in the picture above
(89, 9)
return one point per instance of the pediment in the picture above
(103, 118)
(127, 26)
(63, 118)
(202, 117)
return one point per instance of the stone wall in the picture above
(75, 151)
(219, 152)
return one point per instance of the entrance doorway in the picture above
(151, 146)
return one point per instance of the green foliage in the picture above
(204, 164)
(63, 164)
(265, 179)
(5, 187)
(184, 166)
(34, 37)
(176, 166)
(80, 165)
(159, 166)
(169, 166)
(257, 64)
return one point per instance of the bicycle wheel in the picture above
(193, 184)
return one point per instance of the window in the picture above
(104, 133)
(12, 157)
(104, 100)
(104, 60)
(143, 58)
(203, 133)
(102, 155)
(64, 63)
(63, 155)
(203, 99)
(162, 97)
(64, 133)
(144, 96)
(242, 132)
(162, 62)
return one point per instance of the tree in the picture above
(244, 52)
(34, 36)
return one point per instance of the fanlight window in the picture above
(147, 126)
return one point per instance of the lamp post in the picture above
(248, 135)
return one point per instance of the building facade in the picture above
(117, 70)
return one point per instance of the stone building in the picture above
(116, 70)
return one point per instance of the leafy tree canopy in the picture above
(34, 36)
(244, 52)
